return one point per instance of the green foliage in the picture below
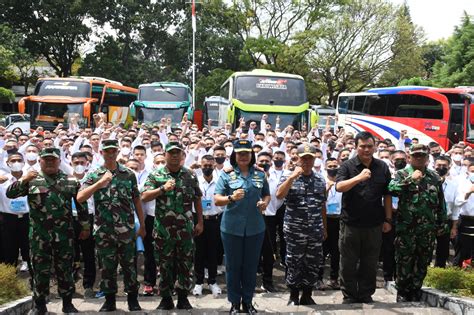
(6, 95)
(11, 287)
(210, 85)
(451, 279)
(416, 81)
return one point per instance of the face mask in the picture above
(17, 166)
(208, 148)
(399, 165)
(332, 172)
(31, 156)
(278, 163)
(265, 167)
(442, 171)
(207, 171)
(261, 143)
(125, 151)
(147, 146)
(79, 169)
(344, 159)
(471, 177)
(318, 162)
(457, 157)
(435, 155)
(228, 150)
(220, 160)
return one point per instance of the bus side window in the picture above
(426, 107)
(375, 105)
(225, 91)
(359, 104)
(343, 104)
(397, 105)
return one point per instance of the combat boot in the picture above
(166, 303)
(68, 307)
(294, 296)
(109, 305)
(40, 306)
(132, 300)
(183, 302)
(306, 298)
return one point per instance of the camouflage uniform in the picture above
(115, 234)
(421, 215)
(51, 228)
(303, 228)
(173, 232)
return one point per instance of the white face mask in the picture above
(457, 157)
(228, 150)
(17, 166)
(125, 151)
(261, 143)
(79, 169)
(31, 156)
(318, 162)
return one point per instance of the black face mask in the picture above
(344, 159)
(399, 165)
(208, 148)
(278, 163)
(442, 171)
(207, 171)
(332, 172)
(265, 167)
(220, 160)
(435, 155)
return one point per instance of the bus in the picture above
(215, 108)
(162, 100)
(429, 114)
(249, 95)
(58, 100)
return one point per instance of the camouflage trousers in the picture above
(174, 256)
(112, 250)
(413, 254)
(44, 254)
(304, 255)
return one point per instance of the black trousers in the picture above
(442, 248)
(87, 248)
(331, 247)
(280, 215)
(150, 273)
(14, 236)
(220, 246)
(268, 249)
(388, 253)
(205, 254)
(465, 242)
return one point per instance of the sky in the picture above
(438, 17)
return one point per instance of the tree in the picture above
(210, 85)
(457, 66)
(432, 52)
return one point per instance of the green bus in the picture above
(162, 100)
(254, 93)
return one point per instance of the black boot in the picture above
(294, 296)
(183, 302)
(306, 298)
(68, 307)
(235, 309)
(40, 306)
(248, 308)
(166, 303)
(132, 300)
(109, 305)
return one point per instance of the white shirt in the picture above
(27, 168)
(16, 206)
(450, 188)
(466, 206)
(273, 182)
(148, 207)
(457, 170)
(208, 205)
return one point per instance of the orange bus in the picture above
(62, 100)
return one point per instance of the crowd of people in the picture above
(196, 201)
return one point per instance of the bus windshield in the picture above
(153, 115)
(53, 113)
(285, 119)
(163, 94)
(270, 90)
(63, 88)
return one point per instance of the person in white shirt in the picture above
(207, 243)
(465, 200)
(279, 160)
(457, 153)
(31, 156)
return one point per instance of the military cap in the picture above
(306, 149)
(54, 152)
(173, 145)
(242, 146)
(109, 144)
(419, 148)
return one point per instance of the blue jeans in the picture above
(241, 261)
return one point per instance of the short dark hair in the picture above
(471, 160)
(233, 160)
(433, 144)
(219, 148)
(208, 157)
(133, 160)
(139, 147)
(398, 152)
(156, 144)
(265, 153)
(364, 135)
(14, 152)
(79, 155)
(443, 158)
(330, 159)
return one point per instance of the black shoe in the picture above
(248, 308)
(349, 300)
(166, 303)
(403, 298)
(306, 298)
(235, 309)
(132, 301)
(294, 297)
(183, 302)
(68, 307)
(40, 306)
(109, 305)
(269, 288)
(366, 300)
(416, 295)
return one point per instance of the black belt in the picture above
(210, 217)
(17, 215)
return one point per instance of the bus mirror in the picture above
(471, 114)
(87, 110)
(21, 106)
(132, 110)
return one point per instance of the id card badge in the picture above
(74, 209)
(206, 205)
(18, 205)
(333, 209)
(395, 202)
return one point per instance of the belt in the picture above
(210, 217)
(467, 216)
(18, 215)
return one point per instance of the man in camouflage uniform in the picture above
(304, 225)
(116, 197)
(175, 189)
(50, 196)
(421, 216)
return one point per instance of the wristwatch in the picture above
(388, 220)
(230, 198)
(162, 188)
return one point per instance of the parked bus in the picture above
(215, 108)
(252, 94)
(58, 100)
(429, 114)
(162, 100)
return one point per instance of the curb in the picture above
(17, 307)
(436, 298)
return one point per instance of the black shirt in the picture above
(362, 206)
